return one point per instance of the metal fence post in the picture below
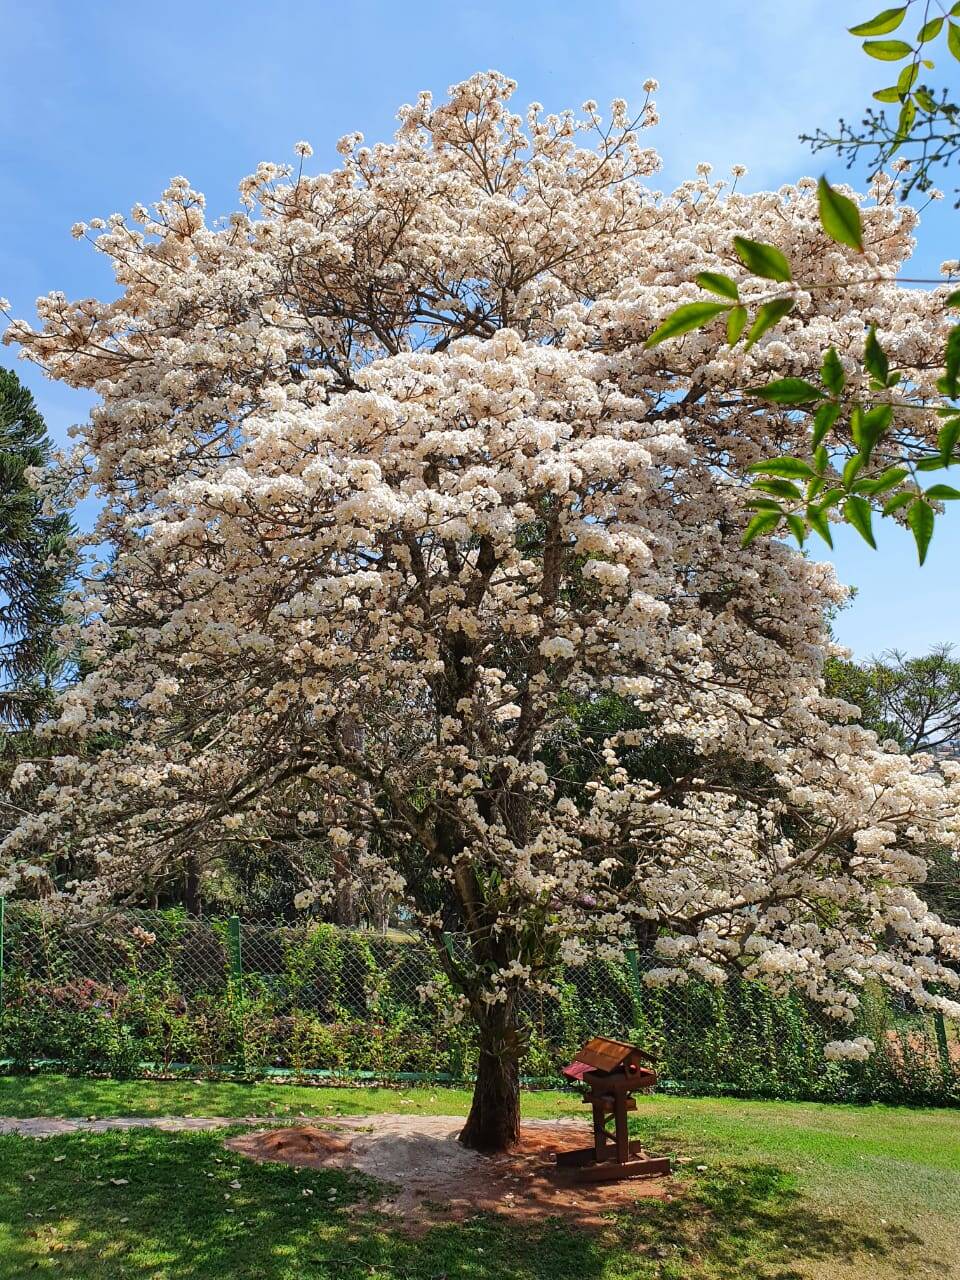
(3, 912)
(235, 948)
(938, 1022)
(633, 968)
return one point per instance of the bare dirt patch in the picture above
(433, 1179)
(304, 1145)
(920, 1047)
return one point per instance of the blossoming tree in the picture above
(392, 482)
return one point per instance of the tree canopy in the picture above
(915, 701)
(395, 482)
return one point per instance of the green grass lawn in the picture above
(789, 1190)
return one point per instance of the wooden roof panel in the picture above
(608, 1055)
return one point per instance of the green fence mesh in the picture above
(161, 991)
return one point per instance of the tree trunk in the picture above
(344, 899)
(191, 885)
(494, 1120)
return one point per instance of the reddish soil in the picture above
(430, 1178)
(299, 1145)
(922, 1046)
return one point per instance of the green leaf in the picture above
(762, 504)
(716, 282)
(955, 10)
(856, 424)
(897, 501)
(887, 50)
(831, 371)
(830, 499)
(839, 216)
(952, 361)
(930, 30)
(907, 79)
(787, 391)
(929, 464)
(797, 528)
(876, 420)
(920, 519)
(924, 98)
(736, 319)
(791, 468)
(953, 40)
(762, 259)
(892, 94)
(852, 469)
(947, 438)
(819, 523)
(762, 522)
(908, 113)
(952, 299)
(872, 426)
(823, 421)
(767, 316)
(692, 315)
(942, 492)
(886, 21)
(875, 358)
(856, 511)
(820, 458)
(880, 484)
(778, 488)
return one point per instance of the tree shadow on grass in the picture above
(747, 1222)
(166, 1206)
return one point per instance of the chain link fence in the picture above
(162, 992)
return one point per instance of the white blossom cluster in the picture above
(856, 1050)
(393, 486)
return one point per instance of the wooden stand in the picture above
(613, 1156)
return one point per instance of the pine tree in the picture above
(33, 560)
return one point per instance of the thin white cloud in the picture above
(741, 80)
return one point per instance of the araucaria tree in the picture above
(394, 485)
(33, 559)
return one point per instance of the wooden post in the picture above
(599, 1133)
(623, 1133)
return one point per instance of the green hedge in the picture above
(165, 990)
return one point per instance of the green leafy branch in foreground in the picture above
(841, 476)
(926, 128)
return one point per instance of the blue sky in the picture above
(102, 104)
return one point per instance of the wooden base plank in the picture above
(573, 1159)
(609, 1168)
(611, 1171)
